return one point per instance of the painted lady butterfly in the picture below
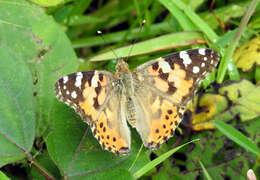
(151, 98)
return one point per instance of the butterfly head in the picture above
(122, 66)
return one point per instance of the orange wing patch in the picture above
(183, 87)
(108, 137)
(173, 82)
(163, 128)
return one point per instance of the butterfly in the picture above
(150, 98)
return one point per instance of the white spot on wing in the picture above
(64, 87)
(186, 58)
(166, 68)
(202, 51)
(94, 80)
(205, 58)
(59, 91)
(74, 94)
(196, 69)
(67, 92)
(203, 64)
(78, 79)
(65, 79)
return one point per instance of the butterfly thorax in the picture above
(125, 78)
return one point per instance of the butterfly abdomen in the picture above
(131, 112)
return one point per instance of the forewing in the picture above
(92, 95)
(164, 87)
(178, 75)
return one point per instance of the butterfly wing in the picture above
(164, 87)
(92, 95)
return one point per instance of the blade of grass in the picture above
(237, 137)
(76, 20)
(168, 41)
(257, 74)
(3, 176)
(207, 176)
(154, 30)
(233, 71)
(137, 156)
(158, 160)
(185, 22)
(201, 25)
(231, 48)
(80, 7)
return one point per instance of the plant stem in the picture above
(233, 44)
(40, 168)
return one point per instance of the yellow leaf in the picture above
(204, 108)
(248, 55)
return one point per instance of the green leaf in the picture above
(245, 100)
(237, 137)
(168, 41)
(158, 160)
(17, 118)
(43, 47)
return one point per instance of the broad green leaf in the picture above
(42, 46)
(17, 118)
(168, 41)
(78, 154)
(245, 100)
(237, 137)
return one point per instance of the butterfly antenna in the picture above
(140, 30)
(100, 33)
